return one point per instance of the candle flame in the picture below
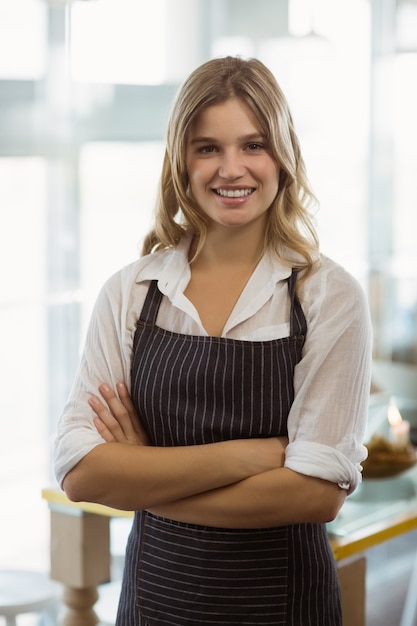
(394, 416)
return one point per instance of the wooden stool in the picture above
(28, 592)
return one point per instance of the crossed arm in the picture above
(236, 484)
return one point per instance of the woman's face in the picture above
(232, 175)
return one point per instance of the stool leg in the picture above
(79, 605)
(10, 621)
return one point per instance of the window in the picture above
(118, 183)
(22, 39)
(24, 454)
(326, 81)
(129, 42)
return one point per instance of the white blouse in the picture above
(326, 423)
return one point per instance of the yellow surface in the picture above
(372, 535)
(55, 496)
(343, 547)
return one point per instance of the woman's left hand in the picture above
(118, 422)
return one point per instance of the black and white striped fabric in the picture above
(192, 390)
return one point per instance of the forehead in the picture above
(231, 117)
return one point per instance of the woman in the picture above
(244, 357)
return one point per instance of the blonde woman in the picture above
(222, 394)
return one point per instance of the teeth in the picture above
(234, 193)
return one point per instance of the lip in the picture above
(233, 189)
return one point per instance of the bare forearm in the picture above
(274, 498)
(136, 477)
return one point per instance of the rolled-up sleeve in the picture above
(327, 421)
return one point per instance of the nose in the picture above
(231, 165)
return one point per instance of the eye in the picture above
(207, 149)
(255, 147)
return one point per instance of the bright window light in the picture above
(22, 228)
(22, 39)
(119, 41)
(118, 192)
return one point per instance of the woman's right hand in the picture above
(118, 421)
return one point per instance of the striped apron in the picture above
(194, 390)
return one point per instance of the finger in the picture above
(125, 415)
(107, 419)
(128, 404)
(118, 410)
(103, 430)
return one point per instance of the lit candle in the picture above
(399, 428)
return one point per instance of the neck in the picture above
(232, 247)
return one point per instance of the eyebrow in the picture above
(243, 138)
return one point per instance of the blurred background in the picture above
(85, 92)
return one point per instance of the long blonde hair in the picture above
(289, 223)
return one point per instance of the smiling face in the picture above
(232, 175)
